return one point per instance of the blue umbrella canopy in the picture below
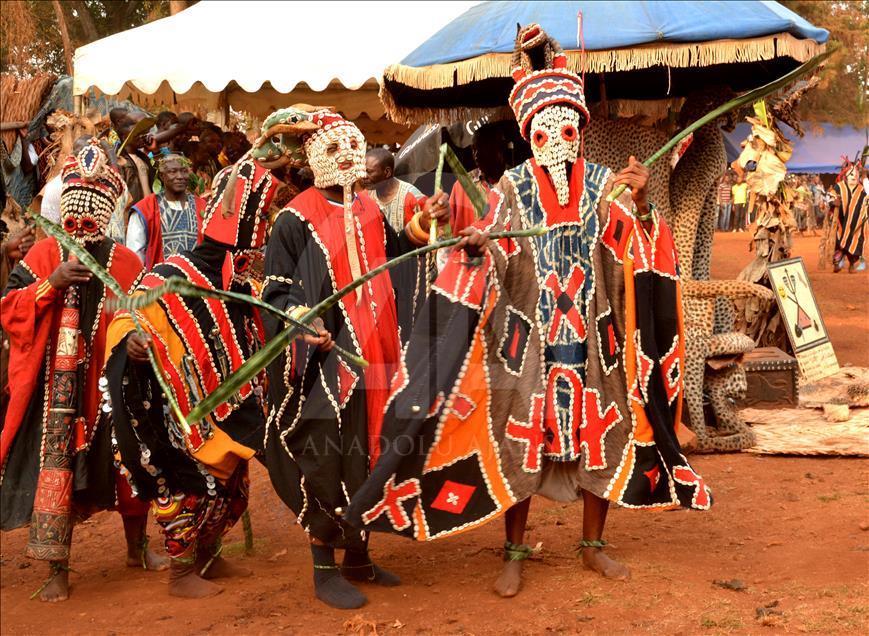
(634, 50)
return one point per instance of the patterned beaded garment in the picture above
(564, 360)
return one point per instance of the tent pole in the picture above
(224, 96)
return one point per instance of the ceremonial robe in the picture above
(553, 365)
(324, 414)
(31, 313)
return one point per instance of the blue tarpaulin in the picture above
(814, 153)
(491, 26)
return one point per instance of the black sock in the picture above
(358, 566)
(329, 586)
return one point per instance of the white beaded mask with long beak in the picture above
(555, 142)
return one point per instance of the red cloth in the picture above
(411, 205)
(377, 333)
(31, 315)
(150, 210)
(128, 504)
(462, 212)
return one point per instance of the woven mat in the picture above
(849, 386)
(806, 432)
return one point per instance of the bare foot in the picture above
(510, 580)
(220, 568)
(153, 561)
(595, 559)
(193, 586)
(57, 589)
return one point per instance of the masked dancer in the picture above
(560, 359)
(53, 311)
(325, 415)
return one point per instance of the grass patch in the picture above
(727, 623)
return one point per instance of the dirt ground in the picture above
(793, 531)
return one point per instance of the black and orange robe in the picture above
(197, 478)
(552, 366)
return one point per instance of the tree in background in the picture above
(40, 36)
(841, 97)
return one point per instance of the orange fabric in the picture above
(220, 453)
(463, 437)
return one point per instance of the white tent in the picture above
(258, 56)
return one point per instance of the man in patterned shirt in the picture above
(167, 223)
(398, 199)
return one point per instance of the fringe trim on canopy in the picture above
(493, 65)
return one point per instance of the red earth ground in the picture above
(792, 530)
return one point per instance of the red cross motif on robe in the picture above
(530, 434)
(393, 496)
(688, 477)
(567, 302)
(596, 424)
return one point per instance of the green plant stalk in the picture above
(473, 192)
(747, 98)
(183, 287)
(439, 175)
(272, 349)
(61, 236)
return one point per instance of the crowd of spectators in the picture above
(167, 163)
(808, 198)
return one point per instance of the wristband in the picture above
(648, 215)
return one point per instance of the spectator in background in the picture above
(167, 223)
(16, 239)
(134, 165)
(204, 152)
(739, 192)
(166, 120)
(818, 200)
(724, 201)
(802, 207)
(189, 126)
(399, 200)
(488, 146)
(117, 118)
(235, 144)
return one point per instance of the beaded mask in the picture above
(91, 189)
(555, 143)
(280, 142)
(336, 152)
(549, 104)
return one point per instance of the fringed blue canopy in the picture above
(634, 50)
